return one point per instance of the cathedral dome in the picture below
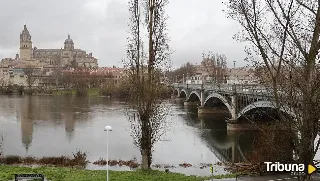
(25, 35)
(68, 40)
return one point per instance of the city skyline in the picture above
(100, 27)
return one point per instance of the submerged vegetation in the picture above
(78, 159)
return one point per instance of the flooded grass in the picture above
(72, 174)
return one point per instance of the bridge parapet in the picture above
(225, 87)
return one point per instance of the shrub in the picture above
(61, 160)
(81, 92)
(29, 160)
(79, 158)
(11, 159)
(101, 161)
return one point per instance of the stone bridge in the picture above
(238, 99)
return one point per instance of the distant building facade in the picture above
(45, 61)
(242, 75)
(114, 73)
(66, 56)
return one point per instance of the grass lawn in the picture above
(68, 174)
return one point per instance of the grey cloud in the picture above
(207, 29)
(47, 21)
(100, 27)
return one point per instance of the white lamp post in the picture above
(182, 78)
(107, 129)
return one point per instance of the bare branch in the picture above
(305, 6)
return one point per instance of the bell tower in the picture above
(25, 44)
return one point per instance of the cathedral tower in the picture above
(68, 44)
(25, 44)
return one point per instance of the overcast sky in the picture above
(100, 27)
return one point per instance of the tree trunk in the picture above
(146, 159)
(306, 148)
(146, 145)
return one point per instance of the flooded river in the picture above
(53, 126)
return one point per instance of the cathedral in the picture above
(63, 57)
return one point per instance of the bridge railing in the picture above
(225, 87)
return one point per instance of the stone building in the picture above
(63, 57)
(45, 61)
(242, 75)
(116, 73)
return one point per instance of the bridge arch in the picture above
(183, 93)
(221, 98)
(175, 91)
(196, 93)
(265, 104)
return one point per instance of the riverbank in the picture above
(118, 92)
(90, 92)
(79, 160)
(57, 92)
(71, 174)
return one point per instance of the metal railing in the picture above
(225, 87)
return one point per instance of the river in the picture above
(58, 125)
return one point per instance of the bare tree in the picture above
(67, 80)
(31, 77)
(149, 114)
(184, 70)
(215, 66)
(80, 80)
(284, 35)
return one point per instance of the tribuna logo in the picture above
(284, 167)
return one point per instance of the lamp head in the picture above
(108, 128)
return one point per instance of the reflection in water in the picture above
(26, 132)
(50, 110)
(70, 121)
(54, 126)
(26, 118)
(228, 146)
